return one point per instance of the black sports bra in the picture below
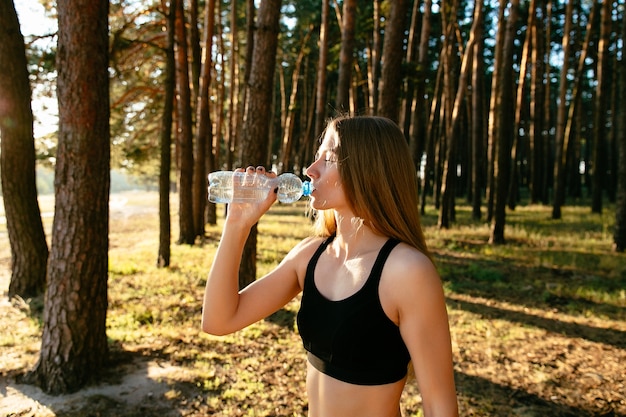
(352, 339)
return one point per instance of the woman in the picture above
(372, 299)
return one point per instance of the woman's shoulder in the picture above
(408, 266)
(306, 247)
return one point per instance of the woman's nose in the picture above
(310, 171)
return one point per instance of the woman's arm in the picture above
(225, 309)
(423, 322)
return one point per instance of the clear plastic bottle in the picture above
(253, 187)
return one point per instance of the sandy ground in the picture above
(142, 383)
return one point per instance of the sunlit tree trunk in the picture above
(559, 165)
(373, 66)
(287, 142)
(204, 135)
(392, 73)
(619, 233)
(29, 249)
(599, 158)
(409, 77)
(320, 89)
(256, 129)
(477, 115)
(520, 106)
(504, 114)
(452, 131)
(536, 120)
(546, 135)
(74, 343)
(492, 128)
(184, 135)
(342, 102)
(420, 111)
(165, 228)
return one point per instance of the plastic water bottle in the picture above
(252, 187)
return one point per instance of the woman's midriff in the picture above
(329, 397)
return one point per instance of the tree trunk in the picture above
(287, 142)
(74, 342)
(535, 127)
(619, 233)
(373, 66)
(342, 102)
(546, 136)
(185, 135)
(452, 132)
(493, 119)
(29, 249)
(393, 45)
(165, 226)
(477, 115)
(601, 98)
(320, 89)
(420, 112)
(504, 115)
(520, 106)
(259, 104)
(204, 135)
(560, 155)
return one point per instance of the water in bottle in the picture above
(239, 187)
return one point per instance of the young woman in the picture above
(372, 299)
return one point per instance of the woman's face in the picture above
(324, 174)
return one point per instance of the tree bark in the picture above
(559, 155)
(29, 249)
(477, 115)
(601, 98)
(342, 102)
(320, 89)
(391, 80)
(255, 146)
(204, 135)
(619, 233)
(165, 168)
(184, 134)
(504, 115)
(74, 342)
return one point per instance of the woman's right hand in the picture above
(248, 214)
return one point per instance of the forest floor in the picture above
(538, 326)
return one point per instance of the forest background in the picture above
(502, 103)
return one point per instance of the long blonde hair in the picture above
(378, 177)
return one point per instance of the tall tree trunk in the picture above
(74, 343)
(259, 104)
(409, 78)
(320, 89)
(520, 106)
(420, 112)
(493, 119)
(535, 128)
(342, 102)
(29, 249)
(374, 60)
(504, 114)
(619, 233)
(165, 226)
(559, 180)
(449, 170)
(393, 45)
(546, 136)
(601, 98)
(185, 134)
(204, 137)
(477, 115)
(287, 142)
